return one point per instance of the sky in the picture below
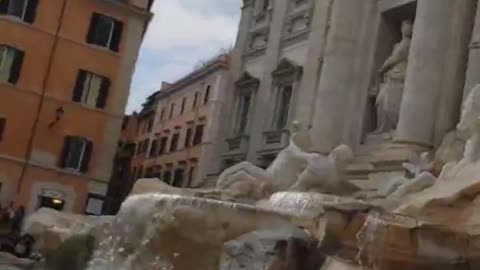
(182, 33)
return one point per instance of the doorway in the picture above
(50, 202)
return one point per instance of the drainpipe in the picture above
(28, 153)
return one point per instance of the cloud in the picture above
(182, 33)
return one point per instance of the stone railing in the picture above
(238, 144)
(277, 139)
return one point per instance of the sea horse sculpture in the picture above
(294, 167)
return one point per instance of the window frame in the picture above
(84, 88)
(116, 29)
(15, 69)
(206, 98)
(184, 102)
(279, 122)
(81, 157)
(3, 127)
(198, 139)
(174, 142)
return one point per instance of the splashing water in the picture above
(158, 232)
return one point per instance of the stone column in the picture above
(473, 69)
(339, 78)
(435, 73)
(316, 47)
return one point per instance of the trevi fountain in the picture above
(406, 199)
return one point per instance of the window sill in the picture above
(102, 49)
(15, 19)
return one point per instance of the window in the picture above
(172, 109)
(266, 5)
(94, 204)
(283, 106)
(244, 109)
(163, 145)
(188, 137)
(174, 142)
(91, 89)
(162, 114)
(150, 125)
(178, 177)
(207, 95)
(184, 101)
(3, 123)
(125, 123)
(76, 154)
(25, 10)
(11, 61)
(146, 145)
(190, 176)
(167, 177)
(154, 149)
(195, 100)
(105, 31)
(197, 139)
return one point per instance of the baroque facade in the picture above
(65, 73)
(355, 72)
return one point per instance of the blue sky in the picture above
(182, 33)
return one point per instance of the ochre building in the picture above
(65, 73)
(179, 136)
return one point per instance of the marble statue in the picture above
(392, 76)
(326, 174)
(293, 169)
(246, 181)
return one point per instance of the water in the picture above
(157, 231)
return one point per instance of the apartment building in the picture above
(65, 73)
(120, 184)
(179, 139)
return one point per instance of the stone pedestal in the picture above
(435, 74)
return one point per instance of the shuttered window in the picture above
(195, 100)
(91, 89)
(174, 142)
(184, 101)
(25, 10)
(76, 154)
(188, 138)
(198, 138)
(163, 145)
(3, 123)
(105, 31)
(207, 95)
(11, 62)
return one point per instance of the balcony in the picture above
(238, 145)
(274, 141)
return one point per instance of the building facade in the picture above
(120, 183)
(66, 68)
(317, 61)
(179, 136)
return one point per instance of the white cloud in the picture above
(176, 26)
(182, 33)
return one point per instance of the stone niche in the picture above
(392, 13)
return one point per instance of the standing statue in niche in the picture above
(392, 78)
